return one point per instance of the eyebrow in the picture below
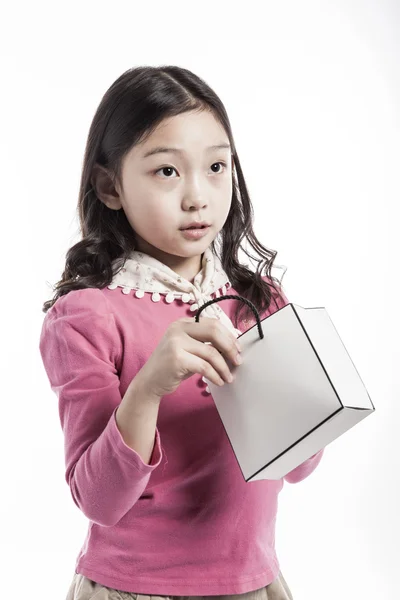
(166, 149)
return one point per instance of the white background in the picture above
(312, 90)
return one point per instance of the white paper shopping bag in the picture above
(296, 391)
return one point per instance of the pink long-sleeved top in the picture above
(187, 523)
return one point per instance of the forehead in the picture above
(187, 132)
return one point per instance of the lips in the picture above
(196, 225)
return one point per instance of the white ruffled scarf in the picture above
(145, 274)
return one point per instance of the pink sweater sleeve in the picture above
(80, 349)
(307, 467)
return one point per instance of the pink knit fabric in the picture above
(187, 523)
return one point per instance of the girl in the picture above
(147, 458)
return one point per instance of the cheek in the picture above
(147, 207)
(158, 218)
(226, 206)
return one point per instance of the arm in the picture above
(305, 469)
(80, 348)
(136, 419)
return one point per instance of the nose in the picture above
(194, 193)
(193, 201)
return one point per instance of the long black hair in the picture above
(129, 111)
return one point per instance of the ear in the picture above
(104, 187)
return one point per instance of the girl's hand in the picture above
(182, 352)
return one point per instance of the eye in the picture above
(219, 163)
(172, 169)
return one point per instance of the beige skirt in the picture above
(83, 588)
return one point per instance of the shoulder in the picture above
(85, 311)
(86, 302)
(81, 319)
(277, 291)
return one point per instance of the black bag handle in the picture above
(233, 297)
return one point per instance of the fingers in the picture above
(218, 345)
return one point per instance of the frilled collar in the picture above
(145, 274)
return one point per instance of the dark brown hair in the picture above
(129, 111)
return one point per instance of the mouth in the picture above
(196, 227)
(195, 233)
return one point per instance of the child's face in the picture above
(159, 201)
